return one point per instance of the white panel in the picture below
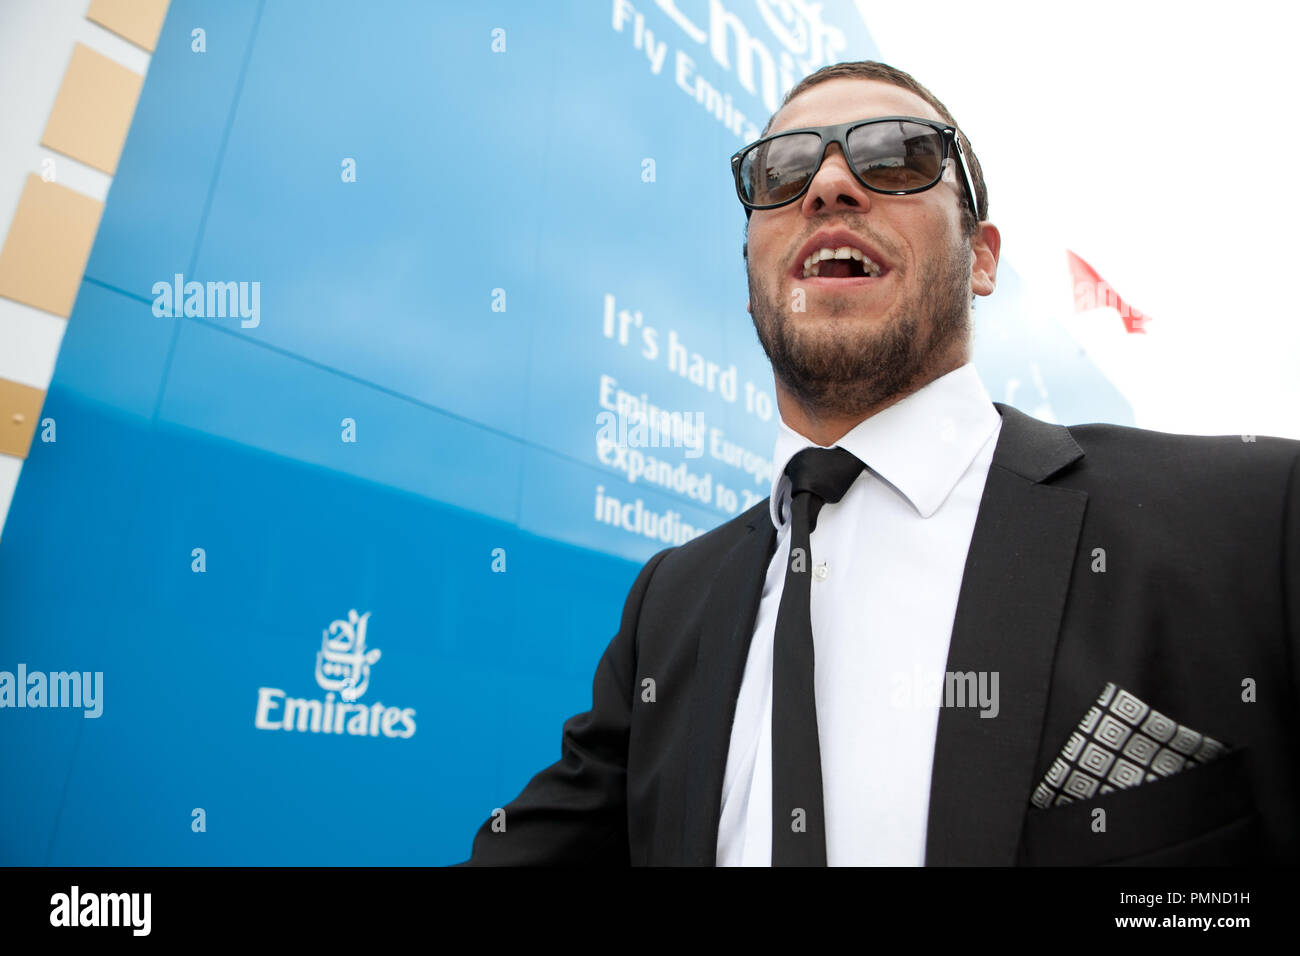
(29, 343)
(9, 469)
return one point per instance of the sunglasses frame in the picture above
(839, 133)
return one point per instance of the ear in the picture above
(749, 306)
(985, 244)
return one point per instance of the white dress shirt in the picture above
(887, 563)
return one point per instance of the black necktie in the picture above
(817, 475)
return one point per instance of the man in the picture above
(1033, 644)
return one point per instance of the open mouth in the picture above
(843, 262)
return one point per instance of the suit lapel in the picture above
(725, 629)
(1008, 618)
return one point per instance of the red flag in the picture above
(1091, 291)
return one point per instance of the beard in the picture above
(851, 367)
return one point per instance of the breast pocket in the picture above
(1203, 816)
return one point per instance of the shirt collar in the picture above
(920, 445)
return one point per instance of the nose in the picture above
(834, 186)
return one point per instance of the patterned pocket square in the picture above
(1121, 742)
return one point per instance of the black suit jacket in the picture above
(1200, 538)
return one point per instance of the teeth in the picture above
(812, 265)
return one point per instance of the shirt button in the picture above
(822, 571)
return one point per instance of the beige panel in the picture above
(20, 409)
(45, 253)
(139, 21)
(93, 109)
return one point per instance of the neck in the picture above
(827, 426)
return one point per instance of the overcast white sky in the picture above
(1158, 140)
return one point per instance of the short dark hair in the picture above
(873, 70)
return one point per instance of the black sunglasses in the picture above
(894, 155)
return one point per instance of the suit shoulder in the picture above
(726, 534)
(714, 544)
(1147, 444)
(1199, 459)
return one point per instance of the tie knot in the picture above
(826, 472)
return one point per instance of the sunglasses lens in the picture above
(777, 169)
(897, 155)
